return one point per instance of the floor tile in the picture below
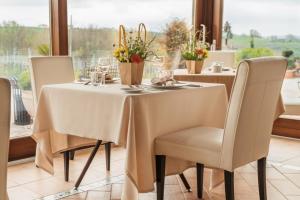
(21, 193)
(285, 187)
(96, 195)
(293, 197)
(116, 191)
(48, 186)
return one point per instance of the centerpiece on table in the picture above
(131, 54)
(194, 53)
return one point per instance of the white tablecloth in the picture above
(131, 120)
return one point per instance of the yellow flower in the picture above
(121, 54)
(205, 53)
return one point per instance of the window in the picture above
(270, 27)
(93, 26)
(24, 32)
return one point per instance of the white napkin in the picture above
(166, 80)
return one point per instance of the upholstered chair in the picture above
(246, 134)
(4, 134)
(55, 70)
(227, 57)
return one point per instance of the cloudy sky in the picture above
(269, 17)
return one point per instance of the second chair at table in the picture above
(247, 131)
(55, 70)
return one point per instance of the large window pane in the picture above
(94, 23)
(24, 32)
(266, 27)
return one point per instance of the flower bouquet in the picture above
(131, 55)
(194, 54)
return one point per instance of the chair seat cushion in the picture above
(199, 144)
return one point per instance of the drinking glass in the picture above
(94, 78)
(104, 66)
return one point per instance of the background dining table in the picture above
(225, 77)
(131, 120)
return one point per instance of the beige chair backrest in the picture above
(50, 70)
(227, 57)
(4, 133)
(251, 111)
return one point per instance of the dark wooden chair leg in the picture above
(72, 155)
(160, 175)
(229, 185)
(66, 164)
(107, 155)
(261, 172)
(200, 170)
(88, 163)
(185, 182)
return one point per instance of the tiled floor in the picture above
(27, 182)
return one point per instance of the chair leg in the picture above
(185, 182)
(66, 164)
(261, 172)
(229, 185)
(88, 163)
(107, 155)
(200, 170)
(160, 175)
(72, 155)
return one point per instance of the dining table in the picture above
(131, 120)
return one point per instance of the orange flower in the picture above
(199, 51)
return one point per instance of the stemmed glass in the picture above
(104, 66)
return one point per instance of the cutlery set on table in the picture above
(156, 84)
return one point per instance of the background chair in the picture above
(247, 132)
(227, 57)
(5, 106)
(56, 70)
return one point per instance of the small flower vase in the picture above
(194, 66)
(131, 73)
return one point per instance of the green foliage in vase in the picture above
(136, 50)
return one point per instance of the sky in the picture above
(269, 17)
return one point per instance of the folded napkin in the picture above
(165, 80)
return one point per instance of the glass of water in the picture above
(104, 66)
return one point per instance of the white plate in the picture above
(174, 86)
(133, 90)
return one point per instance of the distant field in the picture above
(276, 44)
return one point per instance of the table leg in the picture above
(88, 163)
(185, 182)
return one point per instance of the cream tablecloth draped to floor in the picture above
(134, 121)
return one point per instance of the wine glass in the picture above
(104, 66)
